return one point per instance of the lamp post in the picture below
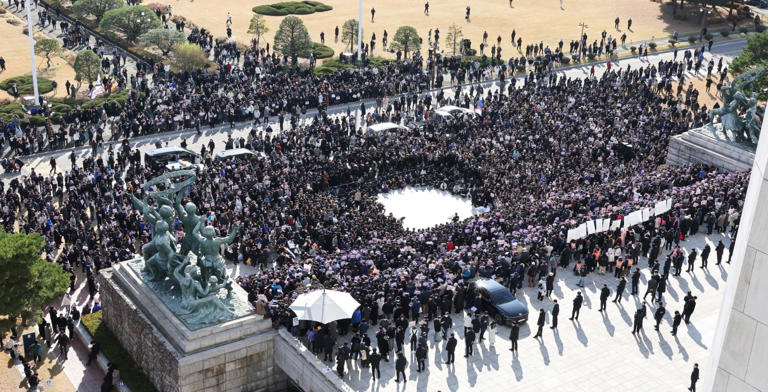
(32, 52)
(360, 33)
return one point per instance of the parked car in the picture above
(157, 159)
(500, 303)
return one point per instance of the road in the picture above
(40, 162)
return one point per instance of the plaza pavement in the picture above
(596, 353)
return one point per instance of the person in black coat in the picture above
(605, 292)
(719, 248)
(469, 340)
(341, 357)
(635, 281)
(691, 259)
(705, 255)
(374, 359)
(447, 323)
(514, 333)
(383, 342)
(540, 322)
(400, 364)
(659, 315)
(576, 306)
(638, 324)
(555, 313)
(620, 289)
(421, 358)
(676, 320)
(450, 348)
(690, 305)
(694, 377)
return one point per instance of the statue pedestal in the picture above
(699, 145)
(235, 355)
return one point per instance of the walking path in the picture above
(597, 352)
(40, 162)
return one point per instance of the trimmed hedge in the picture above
(292, 8)
(24, 83)
(331, 66)
(118, 98)
(321, 51)
(131, 374)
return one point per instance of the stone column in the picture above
(739, 353)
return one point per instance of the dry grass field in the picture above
(15, 51)
(534, 21)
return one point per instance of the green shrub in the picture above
(331, 66)
(725, 33)
(633, 49)
(565, 60)
(321, 51)
(760, 28)
(115, 353)
(672, 41)
(379, 61)
(292, 8)
(652, 45)
(119, 98)
(692, 39)
(708, 36)
(24, 83)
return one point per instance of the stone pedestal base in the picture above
(236, 355)
(699, 146)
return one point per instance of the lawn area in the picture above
(133, 377)
(24, 84)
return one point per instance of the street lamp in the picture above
(32, 52)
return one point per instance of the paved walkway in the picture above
(64, 375)
(40, 162)
(596, 353)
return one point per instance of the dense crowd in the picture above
(544, 156)
(253, 84)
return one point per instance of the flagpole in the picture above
(360, 32)
(32, 52)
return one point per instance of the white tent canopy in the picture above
(324, 306)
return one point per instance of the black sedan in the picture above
(500, 303)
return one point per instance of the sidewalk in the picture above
(64, 376)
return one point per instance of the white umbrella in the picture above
(324, 306)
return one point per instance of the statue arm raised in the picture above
(232, 235)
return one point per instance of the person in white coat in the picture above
(492, 333)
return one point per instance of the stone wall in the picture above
(695, 146)
(148, 348)
(739, 359)
(230, 363)
(304, 368)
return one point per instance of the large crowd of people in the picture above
(544, 156)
